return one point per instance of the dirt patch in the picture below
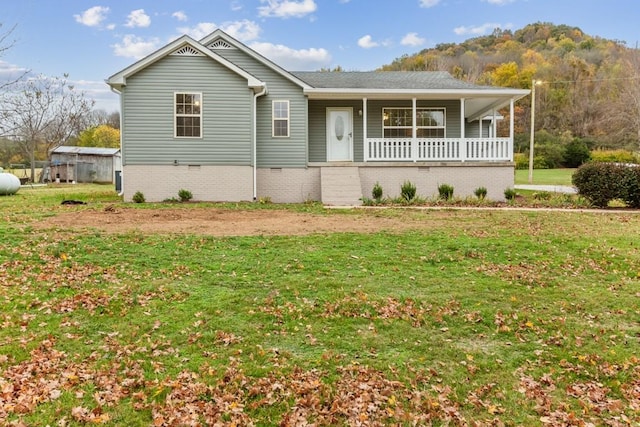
(224, 222)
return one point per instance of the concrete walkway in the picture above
(550, 188)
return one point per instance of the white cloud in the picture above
(93, 16)
(236, 6)
(499, 2)
(104, 98)
(412, 39)
(287, 8)
(10, 72)
(137, 18)
(366, 42)
(135, 47)
(244, 30)
(428, 3)
(292, 59)
(477, 30)
(180, 16)
(199, 31)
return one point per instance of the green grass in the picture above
(545, 176)
(492, 317)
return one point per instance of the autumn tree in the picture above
(41, 114)
(99, 136)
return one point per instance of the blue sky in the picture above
(93, 39)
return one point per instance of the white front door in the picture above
(339, 134)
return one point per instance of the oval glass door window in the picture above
(339, 128)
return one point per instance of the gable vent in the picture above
(220, 44)
(187, 51)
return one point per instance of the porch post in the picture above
(414, 131)
(463, 142)
(365, 151)
(510, 147)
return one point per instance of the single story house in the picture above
(84, 164)
(218, 119)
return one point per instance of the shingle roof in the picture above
(384, 80)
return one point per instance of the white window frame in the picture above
(176, 115)
(409, 127)
(274, 118)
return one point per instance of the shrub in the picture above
(630, 186)
(138, 197)
(521, 160)
(377, 192)
(510, 194)
(480, 192)
(185, 195)
(408, 191)
(445, 191)
(599, 182)
(615, 156)
(542, 195)
(576, 153)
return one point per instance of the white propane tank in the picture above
(9, 183)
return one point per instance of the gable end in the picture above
(220, 44)
(187, 51)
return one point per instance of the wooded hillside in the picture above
(589, 86)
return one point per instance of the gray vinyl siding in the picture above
(275, 152)
(148, 112)
(318, 129)
(374, 115)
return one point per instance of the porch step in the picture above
(340, 186)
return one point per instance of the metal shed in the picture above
(85, 164)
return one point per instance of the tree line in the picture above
(41, 113)
(588, 87)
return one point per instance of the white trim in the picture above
(119, 79)
(175, 115)
(219, 34)
(349, 132)
(414, 126)
(274, 118)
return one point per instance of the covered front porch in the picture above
(477, 138)
(411, 126)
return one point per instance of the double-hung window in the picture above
(280, 117)
(188, 115)
(398, 122)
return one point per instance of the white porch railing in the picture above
(438, 149)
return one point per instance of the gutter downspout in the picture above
(117, 92)
(254, 143)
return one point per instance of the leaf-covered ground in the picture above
(466, 318)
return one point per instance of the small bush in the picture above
(266, 200)
(408, 191)
(614, 156)
(445, 191)
(377, 192)
(510, 194)
(630, 186)
(599, 182)
(185, 195)
(480, 193)
(576, 154)
(542, 195)
(521, 160)
(138, 197)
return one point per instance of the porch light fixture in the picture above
(360, 113)
(534, 83)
